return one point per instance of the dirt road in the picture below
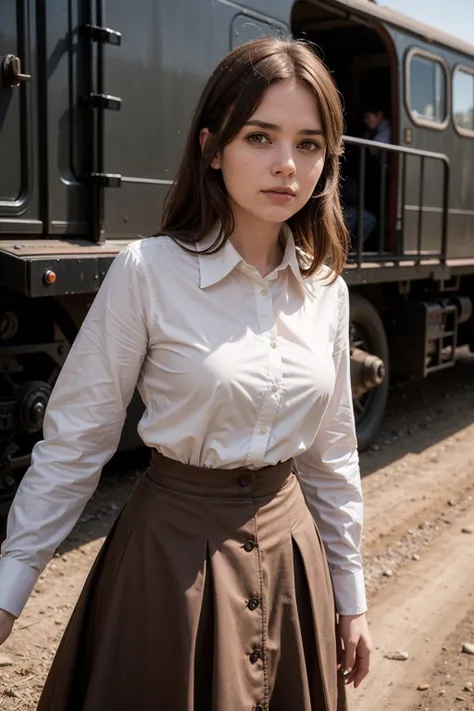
(419, 492)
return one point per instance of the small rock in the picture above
(410, 531)
(6, 661)
(415, 556)
(451, 502)
(460, 698)
(397, 656)
(388, 573)
(445, 649)
(441, 692)
(423, 687)
(11, 693)
(468, 648)
(469, 686)
(467, 529)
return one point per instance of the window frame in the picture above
(465, 132)
(435, 125)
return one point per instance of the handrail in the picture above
(399, 255)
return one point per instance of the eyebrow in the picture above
(275, 127)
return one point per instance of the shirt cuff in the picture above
(349, 590)
(17, 581)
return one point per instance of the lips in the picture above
(283, 190)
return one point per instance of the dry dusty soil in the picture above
(418, 546)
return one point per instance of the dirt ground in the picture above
(418, 547)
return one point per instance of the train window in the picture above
(427, 89)
(463, 100)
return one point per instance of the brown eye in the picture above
(309, 146)
(257, 139)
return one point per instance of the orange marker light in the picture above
(49, 277)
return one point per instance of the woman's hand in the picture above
(6, 625)
(357, 642)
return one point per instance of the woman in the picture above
(212, 591)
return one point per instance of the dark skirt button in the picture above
(244, 480)
(258, 707)
(249, 546)
(255, 656)
(253, 603)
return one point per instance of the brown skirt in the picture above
(211, 593)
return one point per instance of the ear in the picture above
(203, 138)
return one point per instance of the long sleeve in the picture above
(82, 427)
(330, 478)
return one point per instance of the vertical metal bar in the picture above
(383, 181)
(444, 225)
(100, 128)
(420, 205)
(360, 208)
(401, 242)
(86, 80)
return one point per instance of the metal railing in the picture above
(400, 253)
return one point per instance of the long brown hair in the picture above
(197, 201)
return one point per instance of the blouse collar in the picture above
(215, 267)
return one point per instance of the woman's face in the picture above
(270, 169)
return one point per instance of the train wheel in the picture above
(368, 334)
(34, 341)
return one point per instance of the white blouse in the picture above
(235, 370)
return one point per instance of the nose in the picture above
(284, 163)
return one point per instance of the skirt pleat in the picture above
(211, 593)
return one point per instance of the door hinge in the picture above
(106, 180)
(101, 34)
(104, 101)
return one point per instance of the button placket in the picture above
(270, 402)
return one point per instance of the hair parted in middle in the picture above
(197, 201)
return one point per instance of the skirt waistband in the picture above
(205, 481)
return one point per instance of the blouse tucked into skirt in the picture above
(235, 370)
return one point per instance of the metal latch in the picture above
(11, 72)
(106, 180)
(104, 101)
(102, 34)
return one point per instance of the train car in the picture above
(95, 102)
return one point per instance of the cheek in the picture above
(315, 172)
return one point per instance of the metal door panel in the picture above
(18, 179)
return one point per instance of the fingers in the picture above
(350, 655)
(360, 668)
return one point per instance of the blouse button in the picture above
(253, 603)
(263, 430)
(255, 656)
(249, 546)
(264, 292)
(273, 344)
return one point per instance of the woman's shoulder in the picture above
(325, 284)
(161, 246)
(161, 256)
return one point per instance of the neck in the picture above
(258, 243)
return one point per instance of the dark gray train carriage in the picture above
(95, 101)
